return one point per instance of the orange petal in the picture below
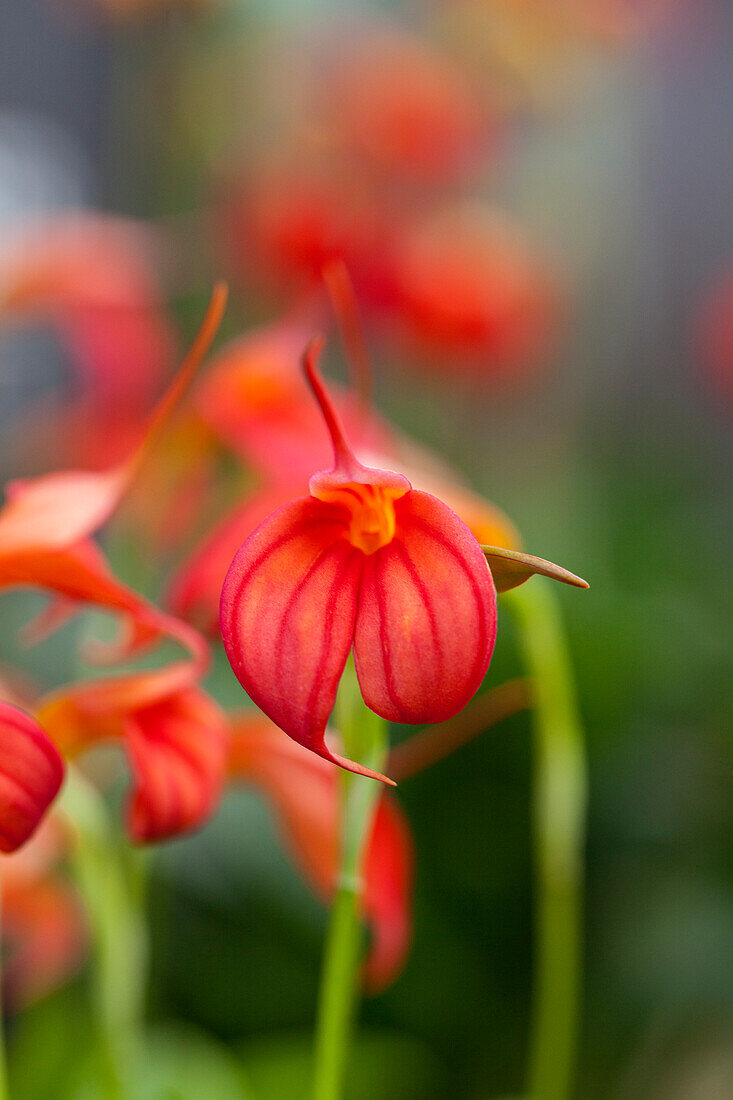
(426, 622)
(44, 935)
(30, 775)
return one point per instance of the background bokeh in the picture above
(610, 450)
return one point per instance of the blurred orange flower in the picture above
(44, 930)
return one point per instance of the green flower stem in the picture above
(559, 799)
(113, 904)
(4, 1090)
(365, 739)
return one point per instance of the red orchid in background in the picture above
(303, 790)
(44, 929)
(92, 276)
(364, 561)
(714, 332)
(290, 217)
(404, 107)
(470, 295)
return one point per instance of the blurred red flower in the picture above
(44, 930)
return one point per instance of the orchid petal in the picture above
(426, 622)
(387, 899)
(31, 773)
(178, 751)
(510, 568)
(287, 618)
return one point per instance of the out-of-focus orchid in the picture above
(364, 561)
(404, 107)
(31, 773)
(44, 931)
(470, 295)
(93, 277)
(303, 790)
(173, 733)
(47, 522)
(295, 217)
(715, 333)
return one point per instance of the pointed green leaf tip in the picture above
(510, 568)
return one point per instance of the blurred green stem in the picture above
(364, 736)
(113, 900)
(559, 798)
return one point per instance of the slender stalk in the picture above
(118, 932)
(559, 798)
(365, 739)
(4, 1090)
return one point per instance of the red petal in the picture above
(287, 617)
(178, 752)
(388, 894)
(426, 623)
(31, 772)
(304, 791)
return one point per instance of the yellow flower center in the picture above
(372, 516)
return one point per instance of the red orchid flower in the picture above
(31, 774)
(714, 332)
(364, 561)
(44, 932)
(404, 107)
(173, 733)
(303, 789)
(470, 295)
(289, 221)
(47, 521)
